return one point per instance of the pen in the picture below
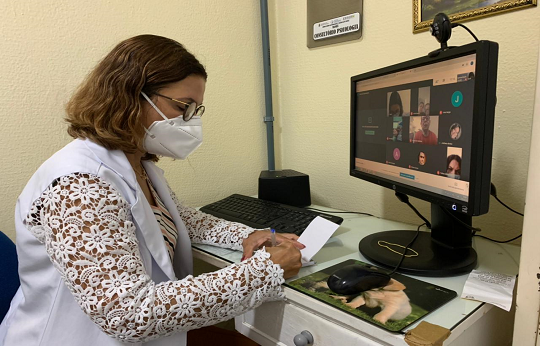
(273, 235)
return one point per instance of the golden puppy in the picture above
(393, 302)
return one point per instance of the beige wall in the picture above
(47, 47)
(314, 100)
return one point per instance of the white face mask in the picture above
(175, 137)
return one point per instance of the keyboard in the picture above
(258, 213)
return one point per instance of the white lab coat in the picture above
(44, 311)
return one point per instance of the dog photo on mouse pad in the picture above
(392, 304)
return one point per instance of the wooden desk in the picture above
(276, 323)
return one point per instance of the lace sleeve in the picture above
(207, 229)
(87, 229)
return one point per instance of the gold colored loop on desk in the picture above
(380, 243)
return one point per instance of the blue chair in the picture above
(9, 274)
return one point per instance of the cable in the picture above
(405, 199)
(341, 212)
(493, 192)
(406, 248)
(474, 229)
(463, 26)
(498, 200)
(499, 241)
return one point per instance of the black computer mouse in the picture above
(354, 279)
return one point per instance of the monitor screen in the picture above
(415, 127)
(424, 128)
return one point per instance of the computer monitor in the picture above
(424, 128)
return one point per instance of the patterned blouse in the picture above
(88, 231)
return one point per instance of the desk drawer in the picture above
(277, 323)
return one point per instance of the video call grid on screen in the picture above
(414, 126)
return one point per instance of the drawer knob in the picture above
(303, 339)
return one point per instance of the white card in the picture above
(315, 236)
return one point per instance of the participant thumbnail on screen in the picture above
(422, 158)
(397, 130)
(455, 131)
(423, 101)
(453, 163)
(399, 103)
(424, 130)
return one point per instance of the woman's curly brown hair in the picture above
(107, 106)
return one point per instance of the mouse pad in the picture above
(402, 302)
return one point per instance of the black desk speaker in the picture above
(286, 186)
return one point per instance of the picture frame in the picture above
(461, 11)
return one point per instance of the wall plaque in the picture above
(330, 22)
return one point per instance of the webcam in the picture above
(441, 29)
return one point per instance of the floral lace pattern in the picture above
(87, 229)
(207, 229)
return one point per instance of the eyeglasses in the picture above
(190, 110)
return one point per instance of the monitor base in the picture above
(430, 258)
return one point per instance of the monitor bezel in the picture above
(482, 126)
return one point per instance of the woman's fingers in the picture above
(289, 236)
(261, 238)
(294, 239)
(254, 242)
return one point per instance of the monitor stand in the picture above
(445, 251)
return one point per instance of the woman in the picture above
(104, 245)
(453, 166)
(395, 106)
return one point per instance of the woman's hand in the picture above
(261, 238)
(287, 256)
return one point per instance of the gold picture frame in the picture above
(454, 13)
